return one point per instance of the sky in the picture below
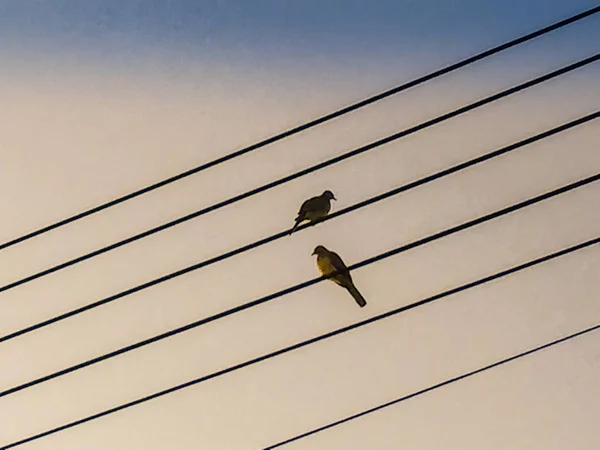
(104, 97)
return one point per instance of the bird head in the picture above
(329, 195)
(319, 249)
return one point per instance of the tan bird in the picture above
(329, 262)
(314, 209)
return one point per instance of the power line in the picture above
(284, 233)
(437, 386)
(308, 342)
(306, 126)
(308, 170)
(300, 286)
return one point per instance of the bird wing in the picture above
(312, 204)
(343, 276)
(336, 261)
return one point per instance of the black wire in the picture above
(308, 125)
(297, 287)
(436, 386)
(306, 171)
(284, 233)
(307, 342)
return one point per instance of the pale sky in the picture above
(103, 97)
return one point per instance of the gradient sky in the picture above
(102, 97)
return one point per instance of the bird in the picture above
(314, 209)
(330, 262)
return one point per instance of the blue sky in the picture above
(271, 29)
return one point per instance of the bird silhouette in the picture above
(329, 263)
(314, 209)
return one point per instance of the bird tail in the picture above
(298, 220)
(357, 295)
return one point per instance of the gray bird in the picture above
(330, 262)
(314, 209)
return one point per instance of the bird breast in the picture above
(324, 265)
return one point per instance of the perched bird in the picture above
(314, 208)
(329, 262)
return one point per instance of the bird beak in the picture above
(333, 197)
(313, 253)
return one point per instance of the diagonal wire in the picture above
(306, 126)
(437, 386)
(282, 234)
(308, 170)
(297, 287)
(306, 342)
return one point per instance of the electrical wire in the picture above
(306, 126)
(300, 286)
(284, 233)
(437, 386)
(305, 343)
(307, 171)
